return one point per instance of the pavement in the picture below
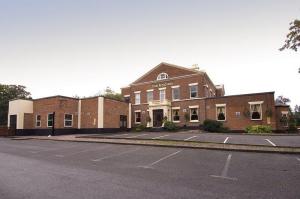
(49, 169)
(290, 140)
(191, 139)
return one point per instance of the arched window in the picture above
(162, 76)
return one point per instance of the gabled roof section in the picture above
(171, 69)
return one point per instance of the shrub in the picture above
(214, 126)
(139, 128)
(258, 129)
(170, 126)
(292, 124)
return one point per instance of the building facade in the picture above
(185, 96)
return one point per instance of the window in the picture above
(138, 98)
(221, 112)
(255, 110)
(175, 93)
(149, 96)
(138, 117)
(162, 94)
(194, 114)
(68, 120)
(127, 98)
(193, 90)
(162, 76)
(38, 121)
(50, 120)
(175, 114)
(284, 118)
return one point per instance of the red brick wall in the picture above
(28, 121)
(239, 104)
(59, 105)
(89, 113)
(112, 111)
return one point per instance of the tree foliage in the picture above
(282, 100)
(293, 37)
(7, 93)
(109, 93)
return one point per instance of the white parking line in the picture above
(136, 136)
(226, 140)
(190, 138)
(161, 159)
(83, 151)
(224, 173)
(160, 136)
(115, 155)
(270, 142)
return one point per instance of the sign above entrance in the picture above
(160, 85)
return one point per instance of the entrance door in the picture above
(13, 123)
(123, 121)
(158, 117)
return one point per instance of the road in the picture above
(47, 169)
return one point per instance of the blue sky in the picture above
(80, 47)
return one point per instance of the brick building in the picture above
(186, 96)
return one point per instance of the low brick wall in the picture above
(4, 131)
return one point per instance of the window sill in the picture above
(194, 120)
(176, 121)
(221, 120)
(175, 100)
(256, 119)
(137, 122)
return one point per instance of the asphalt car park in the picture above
(49, 169)
(271, 140)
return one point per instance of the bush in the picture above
(139, 128)
(214, 126)
(292, 124)
(258, 129)
(170, 126)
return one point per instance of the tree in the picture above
(7, 93)
(293, 37)
(282, 100)
(109, 93)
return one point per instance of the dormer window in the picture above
(162, 76)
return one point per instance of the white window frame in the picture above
(137, 111)
(194, 107)
(223, 106)
(162, 90)
(160, 76)
(177, 109)
(175, 87)
(68, 120)
(137, 93)
(261, 112)
(36, 120)
(48, 119)
(197, 91)
(149, 91)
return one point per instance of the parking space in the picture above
(161, 172)
(282, 140)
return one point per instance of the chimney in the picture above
(195, 67)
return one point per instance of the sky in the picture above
(79, 47)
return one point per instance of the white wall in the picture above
(19, 107)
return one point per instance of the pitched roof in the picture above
(167, 64)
